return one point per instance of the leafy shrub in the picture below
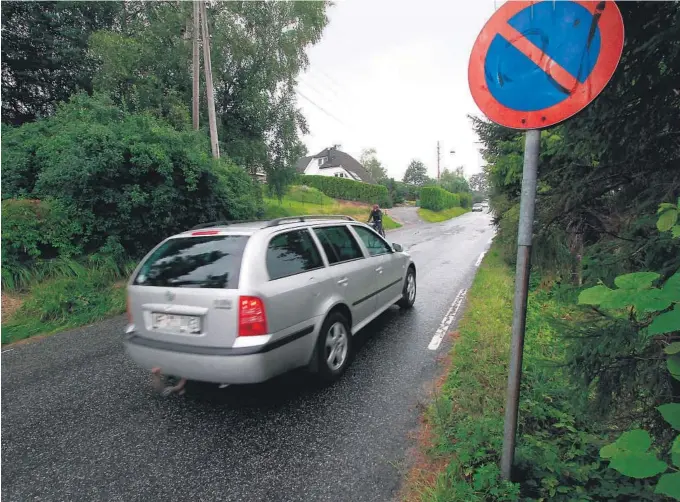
(437, 199)
(400, 191)
(129, 179)
(342, 188)
(465, 200)
(35, 229)
(653, 318)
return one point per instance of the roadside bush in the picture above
(399, 191)
(36, 229)
(129, 179)
(465, 200)
(437, 199)
(341, 188)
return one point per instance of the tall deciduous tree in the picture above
(478, 183)
(44, 53)
(371, 163)
(416, 173)
(455, 181)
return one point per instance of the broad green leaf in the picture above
(636, 280)
(638, 464)
(593, 296)
(675, 452)
(667, 219)
(666, 322)
(637, 441)
(671, 414)
(608, 451)
(619, 299)
(673, 365)
(675, 231)
(672, 287)
(652, 300)
(665, 206)
(669, 485)
(672, 349)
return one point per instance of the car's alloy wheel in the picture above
(408, 297)
(334, 347)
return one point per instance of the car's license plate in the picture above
(176, 323)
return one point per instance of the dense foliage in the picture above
(128, 180)
(416, 174)
(437, 199)
(602, 176)
(97, 126)
(399, 191)
(345, 189)
(369, 160)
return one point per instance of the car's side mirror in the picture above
(397, 247)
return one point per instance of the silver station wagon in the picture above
(244, 302)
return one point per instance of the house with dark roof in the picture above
(334, 162)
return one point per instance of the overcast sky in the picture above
(392, 75)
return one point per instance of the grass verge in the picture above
(84, 295)
(300, 201)
(557, 456)
(437, 216)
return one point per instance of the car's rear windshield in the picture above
(195, 262)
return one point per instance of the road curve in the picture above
(80, 422)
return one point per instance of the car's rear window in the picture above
(195, 262)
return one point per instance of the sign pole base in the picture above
(524, 240)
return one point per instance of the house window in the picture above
(322, 160)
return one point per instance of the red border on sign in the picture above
(611, 35)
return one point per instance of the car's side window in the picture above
(292, 253)
(339, 244)
(375, 245)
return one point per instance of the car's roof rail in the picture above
(292, 219)
(224, 223)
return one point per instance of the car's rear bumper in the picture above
(243, 365)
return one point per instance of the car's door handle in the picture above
(343, 281)
(379, 270)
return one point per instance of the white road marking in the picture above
(479, 260)
(447, 321)
(8, 350)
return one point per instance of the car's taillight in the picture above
(252, 319)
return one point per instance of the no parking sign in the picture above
(535, 64)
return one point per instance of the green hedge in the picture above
(438, 199)
(465, 200)
(344, 189)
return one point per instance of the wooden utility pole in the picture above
(209, 90)
(438, 157)
(196, 66)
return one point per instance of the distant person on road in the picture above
(376, 217)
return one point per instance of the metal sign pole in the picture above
(524, 236)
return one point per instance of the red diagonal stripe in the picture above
(541, 59)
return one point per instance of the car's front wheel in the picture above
(408, 297)
(334, 347)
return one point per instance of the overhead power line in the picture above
(320, 108)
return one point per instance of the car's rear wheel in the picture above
(334, 347)
(408, 297)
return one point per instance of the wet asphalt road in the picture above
(80, 422)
